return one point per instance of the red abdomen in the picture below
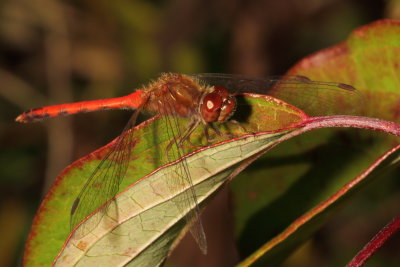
(131, 101)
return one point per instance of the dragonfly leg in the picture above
(216, 130)
(223, 135)
(206, 133)
(184, 136)
(192, 126)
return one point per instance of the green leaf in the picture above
(144, 223)
(147, 221)
(147, 188)
(298, 175)
(368, 60)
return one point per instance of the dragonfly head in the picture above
(218, 105)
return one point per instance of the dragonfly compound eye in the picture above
(211, 107)
(228, 105)
(227, 109)
(217, 106)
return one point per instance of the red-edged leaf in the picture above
(51, 225)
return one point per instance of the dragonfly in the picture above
(205, 99)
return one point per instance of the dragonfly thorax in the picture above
(174, 94)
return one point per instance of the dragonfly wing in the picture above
(314, 97)
(180, 179)
(237, 84)
(103, 184)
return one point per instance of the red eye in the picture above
(227, 109)
(211, 106)
(222, 91)
(213, 101)
(218, 105)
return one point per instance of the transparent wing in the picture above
(104, 182)
(180, 179)
(314, 97)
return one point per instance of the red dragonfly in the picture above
(204, 99)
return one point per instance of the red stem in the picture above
(312, 123)
(354, 122)
(376, 242)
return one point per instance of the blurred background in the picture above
(54, 52)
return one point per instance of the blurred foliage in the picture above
(61, 51)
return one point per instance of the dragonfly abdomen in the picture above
(131, 101)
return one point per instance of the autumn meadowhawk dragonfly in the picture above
(204, 99)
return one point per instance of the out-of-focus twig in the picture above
(19, 92)
(58, 71)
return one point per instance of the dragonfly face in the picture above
(217, 106)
